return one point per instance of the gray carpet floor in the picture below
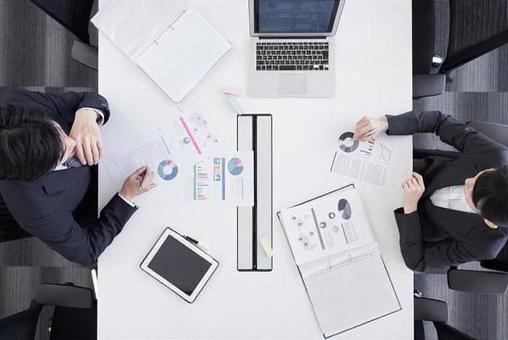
(35, 54)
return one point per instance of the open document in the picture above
(170, 41)
(364, 160)
(339, 260)
(221, 178)
(224, 178)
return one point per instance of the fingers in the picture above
(87, 148)
(79, 152)
(418, 178)
(100, 147)
(147, 183)
(138, 172)
(95, 152)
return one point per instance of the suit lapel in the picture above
(453, 221)
(453, 174)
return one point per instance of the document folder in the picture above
(339, 261)
(255, 223)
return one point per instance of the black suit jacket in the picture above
(60, 208)
(437, 237)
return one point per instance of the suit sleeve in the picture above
(419, 255)
(76, 243)
(65, 105)
(464, 138)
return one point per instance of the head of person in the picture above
(31, 143)
(487, 192)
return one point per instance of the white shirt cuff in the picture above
(127, 201)
(100, 115)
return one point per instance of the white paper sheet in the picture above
(155, 153)
(364, 160)
(332, 224)
(224, 178)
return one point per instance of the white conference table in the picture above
(373, 77)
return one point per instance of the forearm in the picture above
(419, 255)
(67, 104)
(415, 122)
(411, 244)
(77, 243)
(112, 219)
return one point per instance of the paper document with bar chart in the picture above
(339, 260)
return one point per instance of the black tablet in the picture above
(179, 264)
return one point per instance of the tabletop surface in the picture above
(373, 77)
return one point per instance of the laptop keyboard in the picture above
(292, 56)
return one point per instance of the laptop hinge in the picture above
(293, 38)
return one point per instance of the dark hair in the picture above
(30, 143)
(490, 195)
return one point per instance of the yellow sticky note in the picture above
(267, 247)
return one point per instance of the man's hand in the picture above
(86, 132)
(139, 182)
(369, 128)
(413, 190)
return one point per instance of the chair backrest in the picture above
(22, 325)
(477, 281)
(496, 132)
(72, 14)
(423, 36)
(9, 228)
(499, 263)
(447, 332)
(476, 27)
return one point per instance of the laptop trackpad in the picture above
(292, 84)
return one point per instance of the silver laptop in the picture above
(292, 47)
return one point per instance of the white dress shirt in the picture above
(453, 197)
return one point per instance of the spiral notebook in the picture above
(339, 261)
(170, 41)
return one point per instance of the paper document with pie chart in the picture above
(364, 160)
(155, 153)
(227, 178)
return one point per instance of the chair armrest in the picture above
(64, 296)
(430, 310)
(477, 281)
(426, 85)
(85, 54)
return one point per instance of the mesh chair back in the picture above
(21, 326)
(476, 27)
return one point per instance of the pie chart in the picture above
(167, 170)
(347, 143)
(235, 166)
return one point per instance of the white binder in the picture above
(170, 41)
(339, 261)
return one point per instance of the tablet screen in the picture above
(179, 265)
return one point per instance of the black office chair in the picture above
(74, 317)
(492, 281)
(476, 27)
(75, 16)
(435, 311)
(9, 228)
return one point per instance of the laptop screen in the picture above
(294, 16)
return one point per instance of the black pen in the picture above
(141, 178)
